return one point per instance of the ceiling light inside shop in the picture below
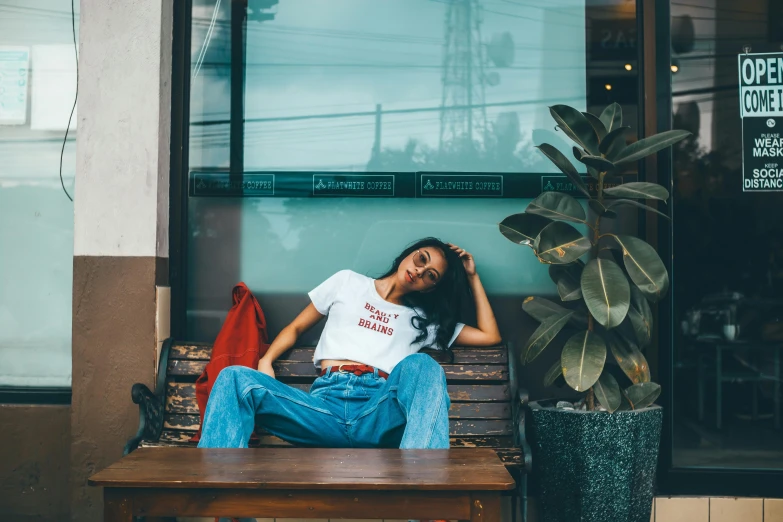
(628, 66)
(675, 68)
(608, 86)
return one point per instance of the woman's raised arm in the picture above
(487, 333)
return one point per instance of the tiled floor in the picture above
(690, 509)
(773, 510)
(718, 509)
(665, 509)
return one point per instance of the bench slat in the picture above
(190, 422)
(196, 351)
(462, 354)
(458, 410)
(174, 437)
(176, 403)
(479, 410)
(511, 457)
(171, 437)
(306, 370)
(181, 396)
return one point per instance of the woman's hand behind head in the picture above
(467, 259)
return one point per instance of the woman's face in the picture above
(422, 269)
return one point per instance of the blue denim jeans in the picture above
(408, 410)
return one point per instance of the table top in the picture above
(460, 469)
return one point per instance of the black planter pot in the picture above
(594, 466)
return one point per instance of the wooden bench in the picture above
(487, 407)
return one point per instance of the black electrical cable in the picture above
(76, 97)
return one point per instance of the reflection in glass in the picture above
(728, 305)
(36, 217)
(383, 86)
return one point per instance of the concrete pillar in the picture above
(120, 227)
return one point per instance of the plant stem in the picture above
(601, 186)
(590, 394)
(590, 399)
(596, 228)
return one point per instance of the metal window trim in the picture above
(178, 190)
(35, 395)
(655, 27)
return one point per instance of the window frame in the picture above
(655, 108)
(37, 395)
(44, 395)
(655, 20)
(178, 190)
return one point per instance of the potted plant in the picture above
(595, 462)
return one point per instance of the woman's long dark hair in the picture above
(442, 306)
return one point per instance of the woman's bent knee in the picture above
(422, 363)
(240, 374)
(231, 372)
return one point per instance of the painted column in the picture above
(120, 227)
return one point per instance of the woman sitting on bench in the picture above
(374, 389)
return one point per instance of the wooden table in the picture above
(462, 484)
(721, 376)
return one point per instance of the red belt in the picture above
(356, 369)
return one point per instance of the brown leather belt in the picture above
(356, 369)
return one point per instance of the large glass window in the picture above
(728, 246)
(364, 125)
(37, 90)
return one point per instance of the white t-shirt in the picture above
(362, 326)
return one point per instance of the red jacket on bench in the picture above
(242, 341)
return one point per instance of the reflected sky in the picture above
(384, 86)
(318, 72)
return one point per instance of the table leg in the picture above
(117, 505)
(755, 406)
(718, 384)
(700, 373)
(522, 481)
(777, 388)
(485, 507)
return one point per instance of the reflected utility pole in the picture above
(462, 100)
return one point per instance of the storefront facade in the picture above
(277, 142)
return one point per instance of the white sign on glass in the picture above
(54, 87)
(14, 74)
